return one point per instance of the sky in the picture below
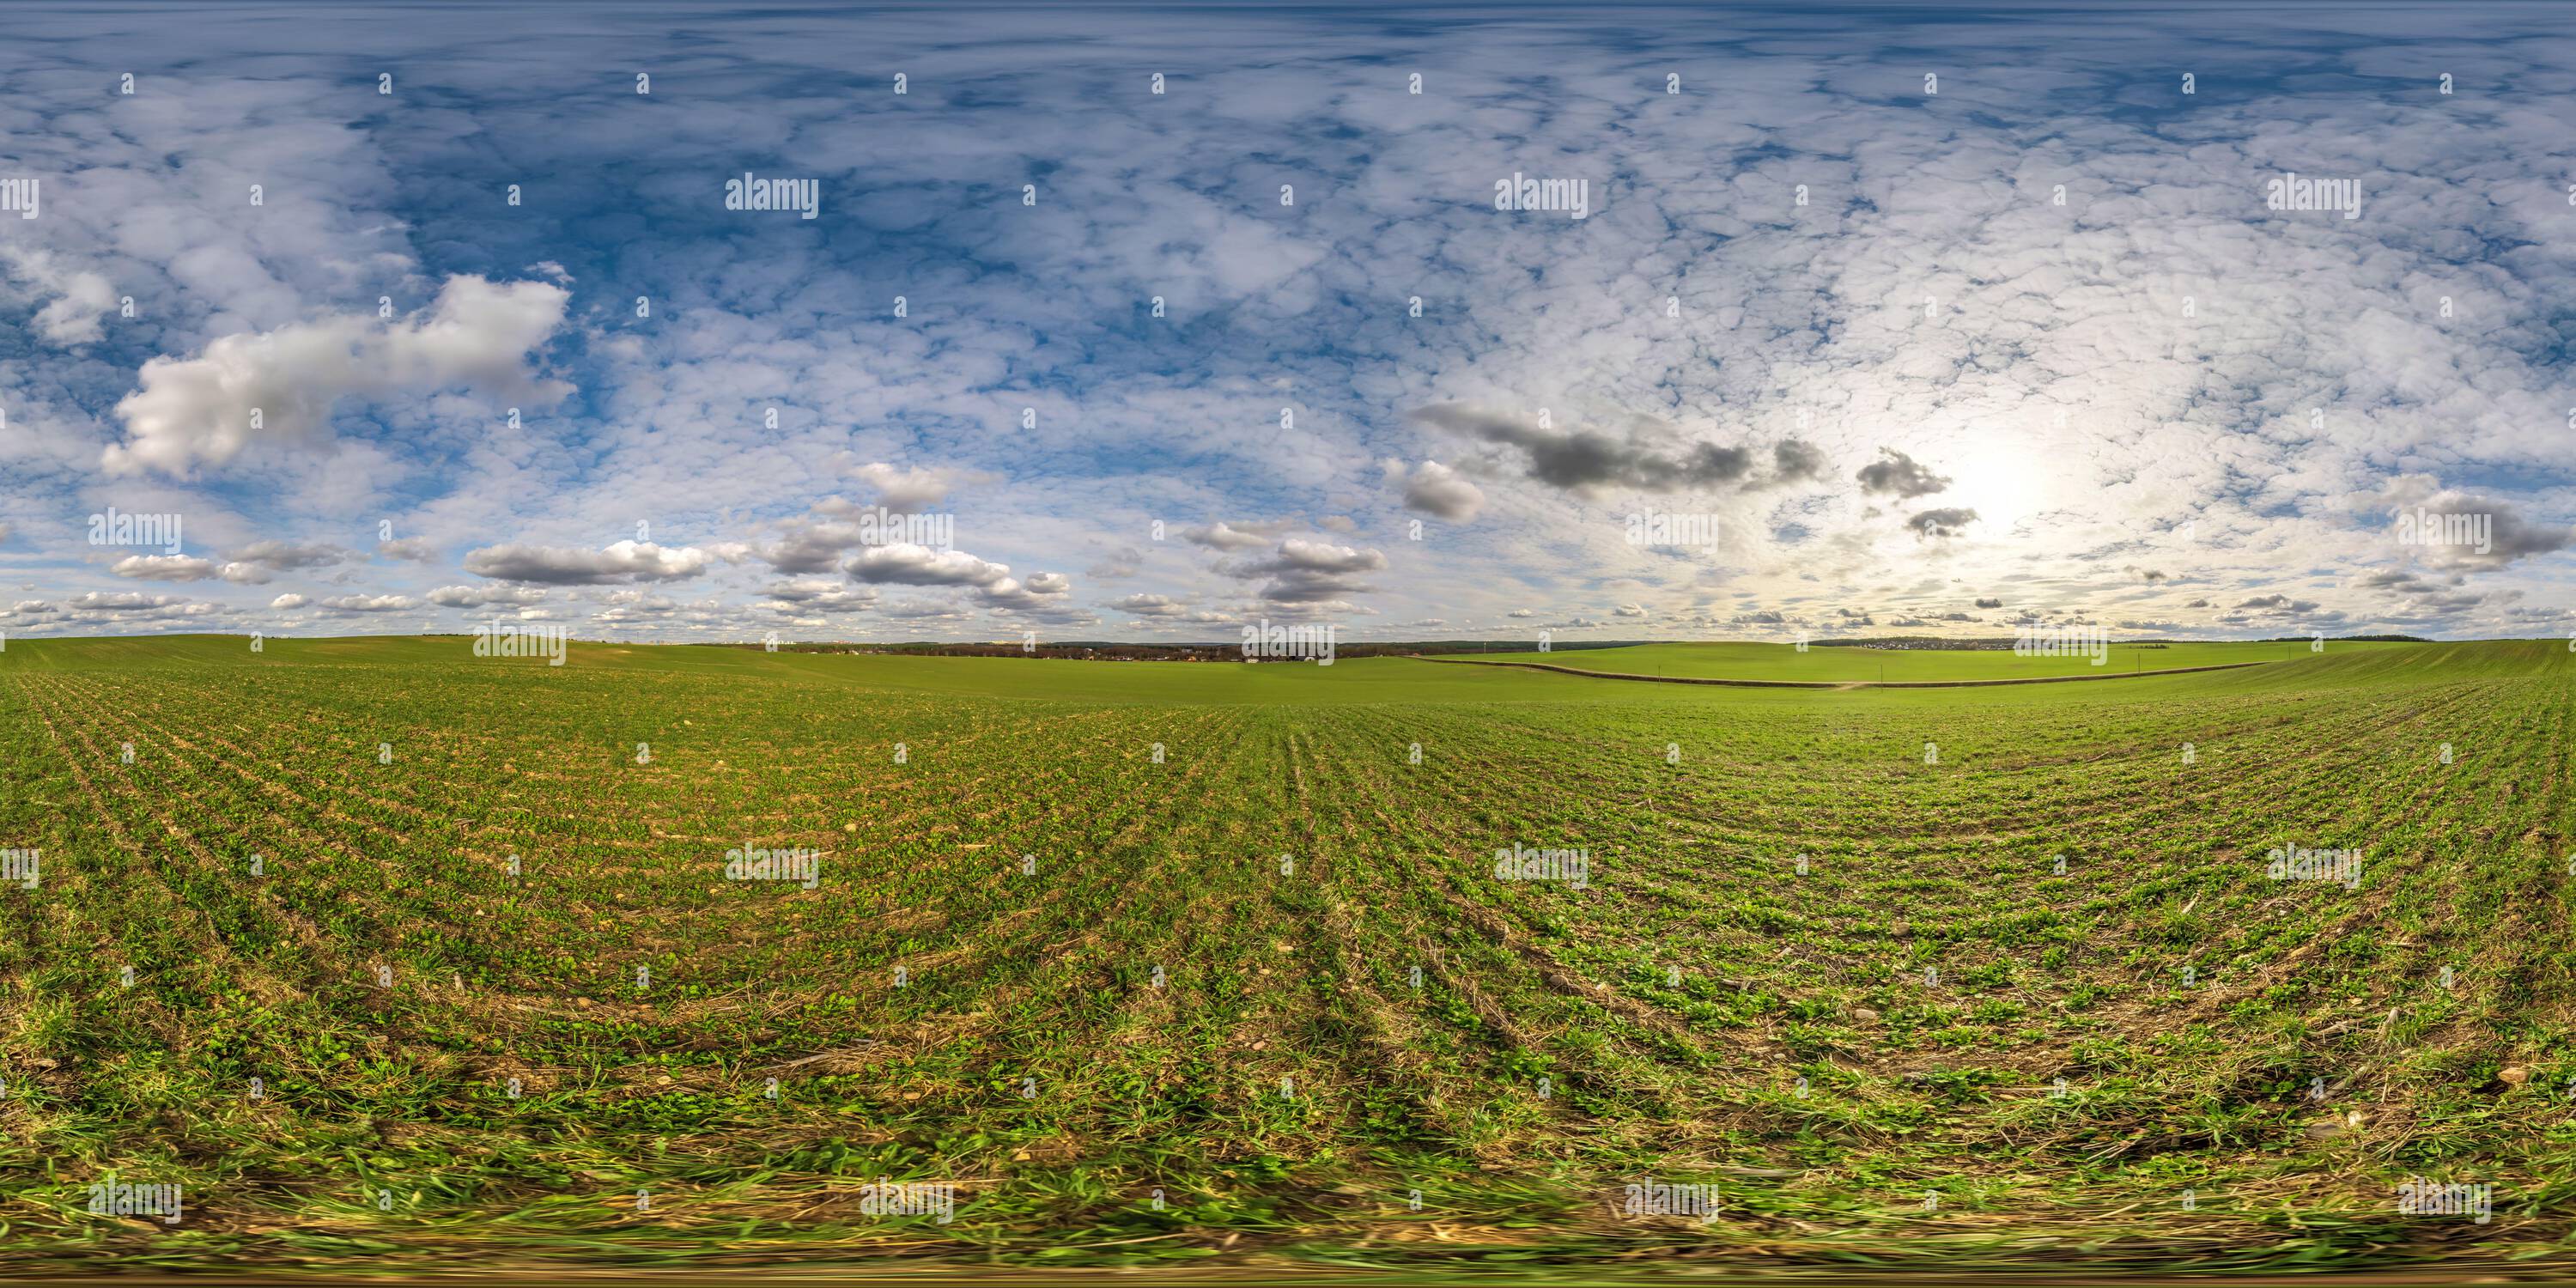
(1150, 323)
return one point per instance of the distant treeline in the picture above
(1997, 643)
(1107, 650)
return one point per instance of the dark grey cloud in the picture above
(1898, 473)
(1119, 565)
(2278, 603)
(1437, 490)
(1792, 461)
(1307, 572)
(805, 546)
(822, 595)
(1149, 605)
(1655, 458)
(1941, 523)
(2504, 534)
(287, 556)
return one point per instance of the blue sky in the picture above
(2035, 347)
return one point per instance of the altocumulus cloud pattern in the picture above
(2107, 316)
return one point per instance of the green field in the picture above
(1271, 974)
(1844, 664)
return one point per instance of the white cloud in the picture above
(200, 410)
(132, 602)
(821, 595)
(80, 303)
(1149, 605)
(901, 489)
(485, 596)
(911, 565)
(370, 603)
(1228, 536)
(626, 561)
(163, 568)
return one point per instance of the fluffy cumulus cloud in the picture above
(1149, 605)
(1437, 490)
(77, 301)
(1298, 571)
(820, 595)
(624, 561)
(164, 567)
(369, 603)
(1231, 536)
(2038, 341)
(254, 565)
(1897, 473)
(1044, 594)
(486, 596)
(911, 565)
(281, 386)
(912, 489)
(111, 607)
